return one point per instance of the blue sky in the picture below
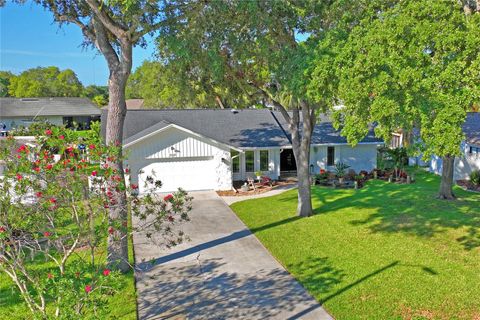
(29, 38)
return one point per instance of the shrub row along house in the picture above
(16, 113)
(200, 149)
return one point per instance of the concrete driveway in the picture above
(224, 272)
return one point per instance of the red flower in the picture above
(127, 170)
(49, 166)
(37, 169)
(106, 272)
(39, 194)
(47, 234)
(111, 230)
(91, 147)
(19, 177)
(52, 200)
(21, 148)
(94, 173)
(171, 219)
(322, 171)
(62, 137)
(88, 288)
(168, 197)
(134, 186)
(2, 229)
(50, 276)
(48, 132)
(69, 149)
(19, 156)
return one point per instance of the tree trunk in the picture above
(117, 239)
(301, 151)
(446, 183)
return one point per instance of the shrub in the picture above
(54, 221)
(340, 169)
(475, 177)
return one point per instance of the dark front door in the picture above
(287, 160)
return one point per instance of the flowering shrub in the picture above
(54, 200)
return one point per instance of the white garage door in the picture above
(188, 175)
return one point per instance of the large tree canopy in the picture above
(252, 48)
(415, 64)
(45, 82)
(5, 77)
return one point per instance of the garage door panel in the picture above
(188, 175)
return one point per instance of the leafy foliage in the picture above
(5, 77)
(45, 82)
(411, 64)
(54, 201)
(475, 177)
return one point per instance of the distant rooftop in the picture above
(58, 106)
(471, 128)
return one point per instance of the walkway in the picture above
(280, 189)
(224, 272)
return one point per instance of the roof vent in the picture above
(29, 99)
(234, 111)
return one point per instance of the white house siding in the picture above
(464, 164)
(360, 157)
(16, 122)
(273, 164)
(180, 159)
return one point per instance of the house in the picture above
(199, 149)
(470, 150)
(21, 112)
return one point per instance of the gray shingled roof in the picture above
(30, 107)
(471, 128)
(247, 128)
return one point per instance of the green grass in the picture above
(386, 251)
(122, 305)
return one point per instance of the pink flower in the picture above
(94, 173)
(19, 156)
(19, 177)
(62, 137)
(106, 272)
(47, 234)
(91, 147)
(48, 132)
(2, 229)
(168, 197)
(50, 276)
(39, 194)
(88, 288)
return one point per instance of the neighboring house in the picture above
(199, 149)
(134, 104)
(21, 112)
(470, 148)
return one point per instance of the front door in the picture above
(287, 160)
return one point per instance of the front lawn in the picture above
(386, 251)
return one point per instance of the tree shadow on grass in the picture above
(411, 209)
(206, 289)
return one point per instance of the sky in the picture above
(29, 38)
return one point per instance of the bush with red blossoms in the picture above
(54, 198)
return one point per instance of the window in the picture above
(235, 161)
(330, 156)
(263, 160)
(249, 161)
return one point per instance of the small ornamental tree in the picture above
(54, 200)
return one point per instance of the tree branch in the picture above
(112, 26)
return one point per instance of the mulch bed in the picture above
(467, 185)
(259, 189)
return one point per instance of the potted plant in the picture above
(258, 174)
(340, 171)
